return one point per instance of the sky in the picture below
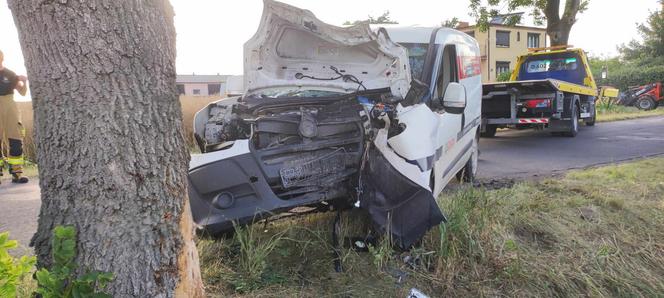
(211, 33)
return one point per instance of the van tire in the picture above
(573, 123)
(489, 131)
(469, 171)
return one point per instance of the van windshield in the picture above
(417, 53)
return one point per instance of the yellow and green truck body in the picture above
(551, 88)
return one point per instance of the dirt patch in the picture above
(493, 184)
(535, 236)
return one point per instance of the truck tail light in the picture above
(538, 103)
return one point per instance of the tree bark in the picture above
(110, 147)
(559, 28)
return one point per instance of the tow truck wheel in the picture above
(591, 121)
(468, 172)
(489, 131)
(574, 123)
(646, 103)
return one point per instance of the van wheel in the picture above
(468, 172)
(489, 131)
(574, 123)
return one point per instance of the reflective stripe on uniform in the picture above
(15, 164)
(15, 160)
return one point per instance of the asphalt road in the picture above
(19, 209)
(511, 154)
(528, 153)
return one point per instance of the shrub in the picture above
(504, 77)
(12, 270)
(635, 76)
(61, 280)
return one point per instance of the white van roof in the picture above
(420, 34)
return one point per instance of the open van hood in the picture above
(292, 45)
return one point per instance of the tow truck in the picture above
(550, 88)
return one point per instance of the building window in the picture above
(180, 89)
(533, 40)
(214, 89)
(197, 91)
(518, 36)
(502, 67)
(471, 33)
(502, 38)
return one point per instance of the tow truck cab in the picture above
(550, 88)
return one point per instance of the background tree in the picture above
(652, 46)
(639, 62)
(450, 23)
(110, 148)
(382, 19)
(557, 27)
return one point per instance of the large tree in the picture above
(557, 27)
(111, 152)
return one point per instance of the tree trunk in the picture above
(111, 152)
(559, 28)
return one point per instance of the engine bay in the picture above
(303, 145)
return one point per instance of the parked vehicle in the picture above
(646, 97)
(332, 117)
(550, 88)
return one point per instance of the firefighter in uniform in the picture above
(11, 130)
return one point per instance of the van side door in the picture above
(446, 72)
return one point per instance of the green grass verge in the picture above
(616, 113)
(596, 232)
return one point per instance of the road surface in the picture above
(511, 154)
(19, 209)
(527, 153)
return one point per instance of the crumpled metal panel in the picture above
(291, 40)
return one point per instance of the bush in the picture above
(61, 280)
(504, 76)
(12, 270)
(633, 75)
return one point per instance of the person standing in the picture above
(11, 129)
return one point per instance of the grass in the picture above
(615, 113)
(595, 232)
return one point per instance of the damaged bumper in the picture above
(233, 188)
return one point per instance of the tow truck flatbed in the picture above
(541, 85)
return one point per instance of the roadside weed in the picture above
(13, 271)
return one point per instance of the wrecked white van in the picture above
(333, 116)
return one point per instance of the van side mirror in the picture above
(454, 100)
